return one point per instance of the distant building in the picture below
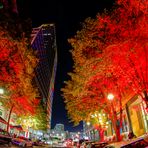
(58, 132)
(59, 127)
(75, 136)
(43, 41)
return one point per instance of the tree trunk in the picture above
(118, 136)
(116, 126)
(9, 117)
(101, 134)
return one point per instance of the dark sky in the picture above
(67, 15)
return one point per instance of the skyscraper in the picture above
(43, 41)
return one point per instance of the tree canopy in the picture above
(110, 55)
(17, 63)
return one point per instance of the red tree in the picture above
(113, 61)
(126, 44)
(17, 64)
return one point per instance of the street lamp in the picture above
(88, 123)
(1, 91)
(110, 96)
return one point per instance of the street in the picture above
(45, 146)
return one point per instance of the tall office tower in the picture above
(43, 40)
(59, 127)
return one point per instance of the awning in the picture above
(3, 120)
(18, 127)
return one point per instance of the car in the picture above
(5, 137)
(68, 143)
(37, 143)
(133, 143)
(22, 141)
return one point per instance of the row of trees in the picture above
(17, 64)
(110, 55)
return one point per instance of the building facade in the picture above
(134, 119)
(58, 133)
(43, 41)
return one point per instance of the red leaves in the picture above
(36, 101)
(97, 126)
(110, 56)
(17, 62)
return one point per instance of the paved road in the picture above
(6, 146)
(45, 146)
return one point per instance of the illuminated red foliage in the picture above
(121, 60)
(16, 74)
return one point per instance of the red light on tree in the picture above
(16, 73)
(110, 55)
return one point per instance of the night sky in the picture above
(67, 16)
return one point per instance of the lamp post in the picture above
(110, 97)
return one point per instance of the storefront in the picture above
(137, 116)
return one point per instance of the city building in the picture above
(59, 127)
(43, 41)
(134, 119)
(58, 133)
(137, 115)
(75, 136)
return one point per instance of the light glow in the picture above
(1, 91)
(110, 97)
(88, 123)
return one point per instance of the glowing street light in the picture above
(1, 91)
(110, 97)
(88, 123)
